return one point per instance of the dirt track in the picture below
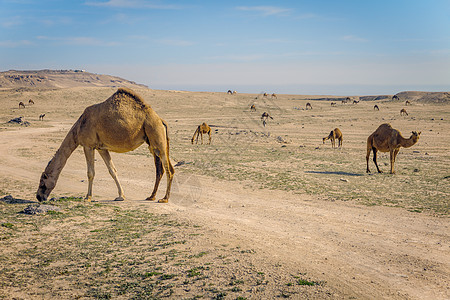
(372, 252)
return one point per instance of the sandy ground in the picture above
(359, 250)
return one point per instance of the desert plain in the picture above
(260, 213)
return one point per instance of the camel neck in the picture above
(406, 143)
(59, 160)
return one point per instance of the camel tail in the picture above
(168, 147)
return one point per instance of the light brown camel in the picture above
(403, 112)
(265, 95)
(274, 96)
(264, 117)
(388, 139)
(30, 102)
(253, 107)
(308, 105)
(121, 123)
(21, 104)
(407, 103)
(201, 130)
(334, 134)
(375, 107)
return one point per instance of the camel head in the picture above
(46, 185)
(415, 136)
(324, 139)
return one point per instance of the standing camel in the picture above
(264, 117)
(308, 105)
(30, 102)
(121, 123)
(395, 97)
(274, 96)
(253, 107)
(388, 139)
(201, 130)
(407, 103)
(334, 134)
(21, 104)
(375, 107)
(403, 112)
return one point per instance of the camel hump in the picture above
(124, 93)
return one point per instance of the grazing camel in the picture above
(201, 130)
(355, 102)
(230, 92)
(21, 104)
(253, 107)
(30, 102)
(395, 97)
(388, 139)
(121, 123)
(308, 105)
(407, 103)
(274, 96)
(264, 117)
(403, 112)
(334, 134)
(41, 117)
(265, 95)
(333, 103)
(375, 107)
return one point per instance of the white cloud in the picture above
(265, 10)
(131, 4)
(352, 38)
(79, 41)
(175, 42)
(14, 44)
(12, 22)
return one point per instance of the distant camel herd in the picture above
(31, 102)
(97, 130)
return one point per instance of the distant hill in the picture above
(430, 97)
(61, 79)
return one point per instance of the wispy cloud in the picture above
(79, 41)
(352, 38)
(249, 57)
(137, 4)
(175, 42)
(12, 22)
(265, 10)
(15, 44)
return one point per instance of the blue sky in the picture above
(304, 47)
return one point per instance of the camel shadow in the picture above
(334, 173)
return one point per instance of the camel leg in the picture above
(170, 171)
(89, 154)
(209, 133)
(112, 171)
(159, 174)
(393, 156)
(375, 159)
(333, 143)
(201, 135)
(367, 159)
